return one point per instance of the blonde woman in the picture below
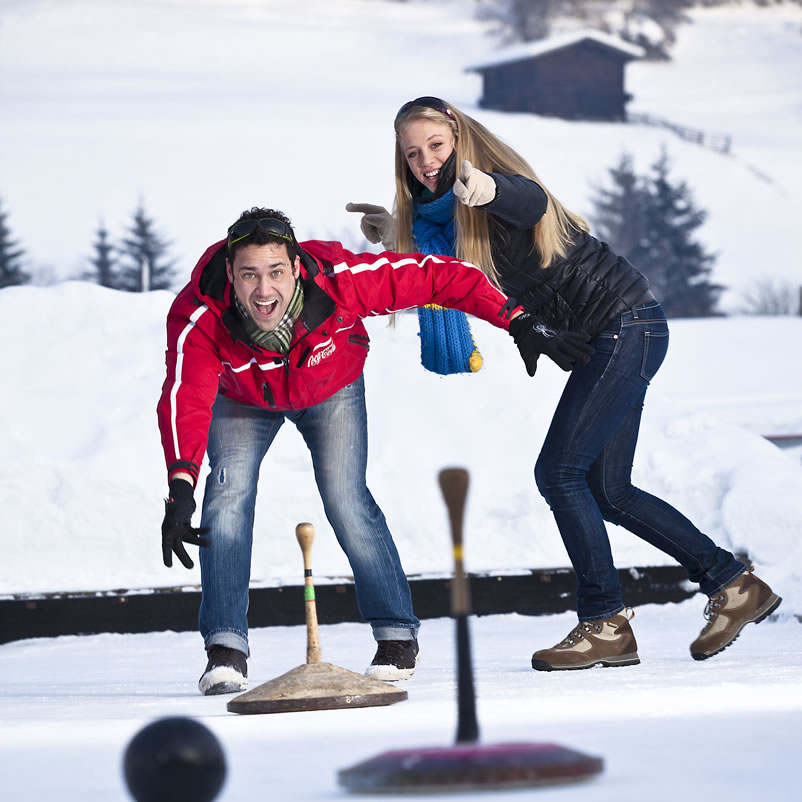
(462, 191)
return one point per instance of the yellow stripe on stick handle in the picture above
(454, 485)
(305, 533)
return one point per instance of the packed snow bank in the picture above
(82, 483)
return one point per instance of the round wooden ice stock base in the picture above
(315, 685)
(467, 766)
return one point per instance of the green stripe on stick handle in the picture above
(305, 533)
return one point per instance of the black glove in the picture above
(177, 528)
(534, 338)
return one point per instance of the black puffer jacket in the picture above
(583, 290)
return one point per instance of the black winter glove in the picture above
(564, 347)
(177, 528)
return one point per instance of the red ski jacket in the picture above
(208, 351)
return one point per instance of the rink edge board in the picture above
(534, 592)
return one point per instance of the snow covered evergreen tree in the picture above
(11, 257)
(619, 214)
(679, 267)
(652, 221)
(145, 266)
(103, 262)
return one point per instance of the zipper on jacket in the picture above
(304, 355)
(269, 398)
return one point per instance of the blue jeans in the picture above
(584, 469)
(336, 433)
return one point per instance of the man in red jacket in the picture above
(266, 330)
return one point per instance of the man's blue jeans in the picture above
(584, 469)
(336, 433)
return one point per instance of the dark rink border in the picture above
(535, 592)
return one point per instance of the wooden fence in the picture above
(721, 143)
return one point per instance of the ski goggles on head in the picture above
(427, 101)
(270, 225)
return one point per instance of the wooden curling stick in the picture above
(305, 533)
(454, 485)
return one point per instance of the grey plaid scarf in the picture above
(280, 337)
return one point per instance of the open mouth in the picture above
(265, 308)
(432, 175)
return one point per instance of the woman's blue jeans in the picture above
(336, 433)
(584, 469)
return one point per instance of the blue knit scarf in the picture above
(447, 345)
(433, 225)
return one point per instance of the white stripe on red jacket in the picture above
(207, 351)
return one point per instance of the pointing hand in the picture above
(377, 224)
(473, 187)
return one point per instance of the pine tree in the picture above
(619, 214)
(652, 222)
(103, 262)
(145, 265)
(11, 257)
(679, 266)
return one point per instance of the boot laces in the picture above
(712, 607)
(578, 634)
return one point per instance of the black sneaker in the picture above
(394, 660)
(226, 671)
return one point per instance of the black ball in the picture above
(175, 759)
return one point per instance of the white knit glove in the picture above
(473, 187)
(377, 224)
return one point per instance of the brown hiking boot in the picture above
(608, 642)
(746, 600)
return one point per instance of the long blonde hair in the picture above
(551, 235)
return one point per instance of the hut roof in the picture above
(527, 50)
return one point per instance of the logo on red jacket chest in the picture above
(320, 352)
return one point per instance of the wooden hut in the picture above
(578, 76)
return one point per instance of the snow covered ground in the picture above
(81, 500)
(668, 729)
(112, 100)
(87, 474)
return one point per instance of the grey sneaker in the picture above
(394, 660)
(226, 671)
(746, 600)
(607, 642)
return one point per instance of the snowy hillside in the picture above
(81, 495)
(204, 107)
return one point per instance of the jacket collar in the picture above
(214, 289)
(317, 305)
